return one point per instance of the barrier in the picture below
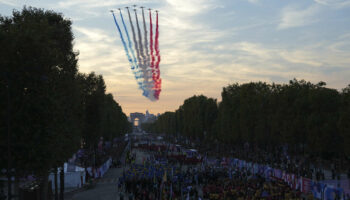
(327, 190)
(71, 180)
(99, 172)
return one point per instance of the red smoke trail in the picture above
(156, 75)
(155, 85)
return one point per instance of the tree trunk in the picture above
(9, 186)
(16, 186)
(44, 186)
(56, 184)
(62, 183)
(9, 158)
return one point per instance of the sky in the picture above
(206, 45)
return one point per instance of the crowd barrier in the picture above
(99, 172)
(71, 180)
(327, 190)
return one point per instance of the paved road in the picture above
(105, 189)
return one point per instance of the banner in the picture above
(332, 193)
(277, 173)
(305, 185)
(345, 184)
(317, 189)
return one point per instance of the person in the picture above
(121, 195)
(119, 185)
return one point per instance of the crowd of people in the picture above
(279, 157)
(243, 185)
(153, 180)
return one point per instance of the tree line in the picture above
(309, 118)
(49, 109)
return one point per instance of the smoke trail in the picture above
(146, 93)
(156, 78)
(143, 61)
(123, 41)
(134, 37)
(156, 45)
(133, 67)
(140, 39)
(151, 38)
(138, 74)
(145, 32)
(151, 48)
(129, 40)
(147, 61)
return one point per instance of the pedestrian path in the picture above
(105, 188)
(107, 180)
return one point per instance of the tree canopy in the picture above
(308, 117)
(48, 107)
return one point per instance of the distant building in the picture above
(149, 118)
(138, 118)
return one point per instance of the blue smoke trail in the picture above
(123, 41)
(129, 41)
(145, 91)
(137, 76)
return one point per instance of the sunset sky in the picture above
(208, 44)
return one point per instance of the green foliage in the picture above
(50, 107)
(195, 119)
(344, 119)
(38, 74)
(103, 117)
(298, 113)
(310, 118)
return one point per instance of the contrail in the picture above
(129, 40)
(123, 41)
(140, 40)
(133, 67)
(151, 47)
(138, 74)
(145, 93)
(143, 64)
(157, 80)
(134, 37)
(147, 57)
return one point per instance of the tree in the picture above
(308, 118)
(103, 116)
(344, 120)
(38, 73)
(51, 108)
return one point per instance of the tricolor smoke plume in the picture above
(145, 64)
(133, 67)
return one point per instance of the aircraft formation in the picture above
(142, 54)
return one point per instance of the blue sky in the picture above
(208, 44)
